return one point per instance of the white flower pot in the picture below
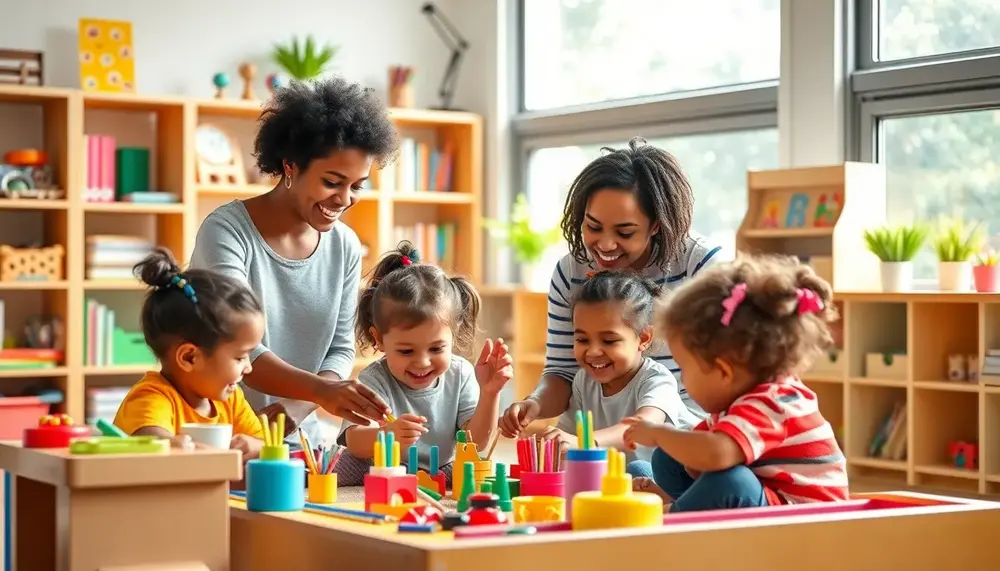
(896, 276)
(955, 276)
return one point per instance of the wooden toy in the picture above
(35, 264)
(467, 451)
(616, 505)
(820, 211)
(54, 431)
(73, 511)
(964, 455)
(388, 488)
(433, 481)
(217, 157)
(939, 533)
(247, 73)
(221, 82)
(25, 66)
(957, 368)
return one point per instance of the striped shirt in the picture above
(787, 442)
(570, 274)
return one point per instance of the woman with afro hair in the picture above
(322, 139)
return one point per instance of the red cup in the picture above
(543, 483)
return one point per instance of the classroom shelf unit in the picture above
(818, 214)
(923, 333)
(166, 125)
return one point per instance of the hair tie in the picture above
(406, 260)
(809, 302)
(184, 286)
(729, 305)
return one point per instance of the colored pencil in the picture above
(493, 443)
(430, 500)
(308, 453)
(335, 459)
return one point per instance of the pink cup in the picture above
(585, 469)
(543, 483)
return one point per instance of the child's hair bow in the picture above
(809, 302)
(729, 305)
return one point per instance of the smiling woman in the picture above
(322, 139)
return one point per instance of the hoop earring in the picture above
(288, 181)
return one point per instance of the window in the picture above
(715, 163)
(589, 51)
(942, 164)
(920, 28)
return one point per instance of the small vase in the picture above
(896, 276)
(986, 278)
(955, 276)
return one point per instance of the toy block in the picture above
(964, 455)
(436, 483)
(387, 485)
(464, 452)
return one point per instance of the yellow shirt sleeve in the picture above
(146, 405)
(245, 420)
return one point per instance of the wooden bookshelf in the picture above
(166, 125)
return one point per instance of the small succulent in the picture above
(896, 244)
(303, 60)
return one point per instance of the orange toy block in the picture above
(436, 483)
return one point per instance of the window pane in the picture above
(587, 51)
(943, 165)
(716, 164)
(916, 28)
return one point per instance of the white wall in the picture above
(180, 45)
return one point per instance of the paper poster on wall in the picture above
(107, 61)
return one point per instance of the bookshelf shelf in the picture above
(166, 125)
(430, 197)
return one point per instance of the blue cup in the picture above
(275, 485)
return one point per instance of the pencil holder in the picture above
(543, 484)
(322, 488)
(274, 482)
(585, 469)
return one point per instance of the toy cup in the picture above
(543, 484)
(322, 488)
(538, 509)
(585, 469)
(211, 435)
(274, 482)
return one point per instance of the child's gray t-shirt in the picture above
(447, 405)
(653, 385)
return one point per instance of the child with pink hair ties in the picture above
(742, 332)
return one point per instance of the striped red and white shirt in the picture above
(787, 442)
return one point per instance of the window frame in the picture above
(866, 50)
(720, 109)
(944, 83)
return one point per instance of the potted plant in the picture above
(529, 244)
(895, 247)
(986, 272)
(955, 243)
(305, 60)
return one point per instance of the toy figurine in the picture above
(247, 72)
(221, 82)
(275, 82)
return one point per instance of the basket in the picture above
(36, 264)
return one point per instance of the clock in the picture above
(218, 158)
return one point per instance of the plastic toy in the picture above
(585, 466)
(221, 82)
(119, 445)
(434, 480)
(484, 510)
(467, 451)
(275, 82)
(964, 455)
(502, 487)
(274, 481)
(467, 491)
(388, 488)
(422, 515)
(616, 505)
(54, 431)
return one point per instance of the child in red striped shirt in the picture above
(741, 333)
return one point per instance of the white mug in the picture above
(211, 435)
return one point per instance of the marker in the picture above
(109, 429)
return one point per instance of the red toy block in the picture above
(964, 455)
(436, 483)
(381, 489)
(54, 431)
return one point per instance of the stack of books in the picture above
(890, 441)
(990, 373)
(103, 403)
(113, 257)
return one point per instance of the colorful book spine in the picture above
(99, 171)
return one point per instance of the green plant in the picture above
(956, 242)
(988, 258)
(529, 245)
(896, 243)
(305, 60)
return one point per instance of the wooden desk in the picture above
(917, 533)
(87, 513)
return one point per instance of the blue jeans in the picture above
(735, 487)
(639, 469)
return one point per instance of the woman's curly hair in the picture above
(308, 120)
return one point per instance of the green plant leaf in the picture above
(896, 244)
(529, 244)
(303, 59)
(955, 241)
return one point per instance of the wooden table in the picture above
(911, 532)
(96, 512)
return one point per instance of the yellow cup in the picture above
(538, 509)
(322, 488)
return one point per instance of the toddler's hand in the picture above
(494, 367)
(183, 442)
(639, 433)
(248, 445)
(517, 417)
(408, 428)
(568, 440)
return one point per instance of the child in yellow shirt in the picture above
(201, 326)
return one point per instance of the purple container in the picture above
(584, 471)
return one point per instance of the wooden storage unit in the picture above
(166, 125)
(818, 214)
(929, 328)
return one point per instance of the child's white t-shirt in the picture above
(653, 385)
(448, 404)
